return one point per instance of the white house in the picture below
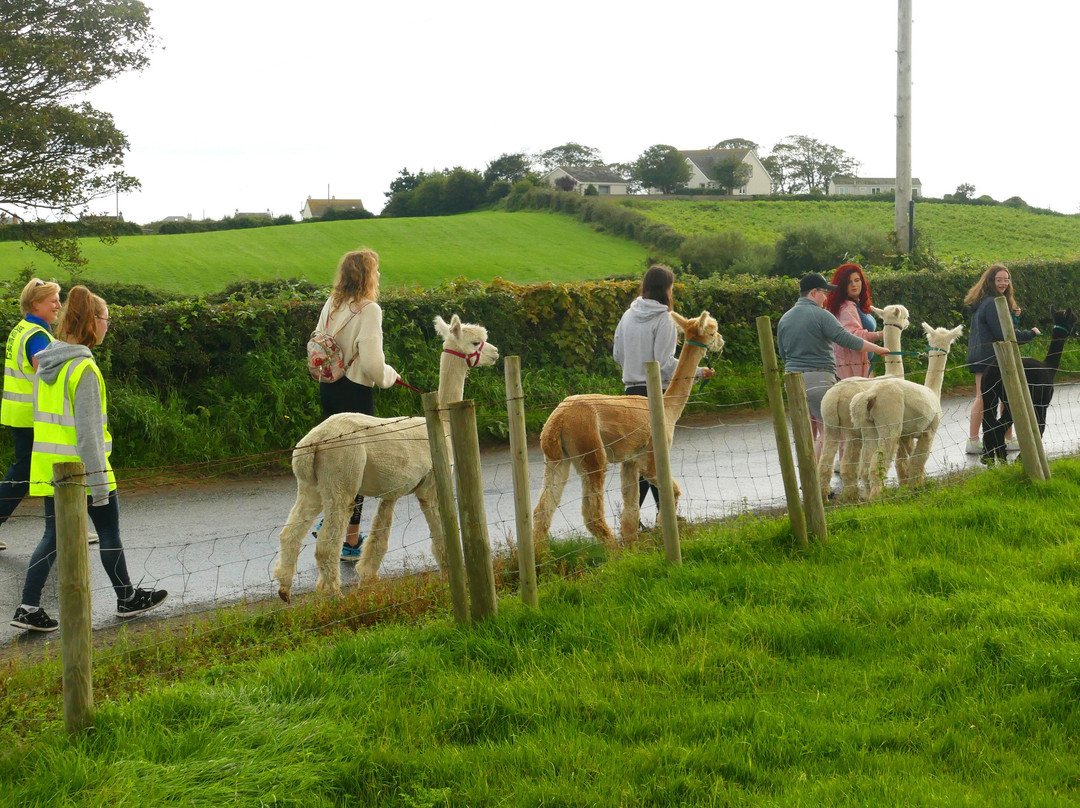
(606, 181)
(847, 185)
(315, 208)
(703, 166)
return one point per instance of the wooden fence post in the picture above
(444, 489)
(73, 573)
(1025, 423)
(804, 450)
(470, 494)
(669, 521)
(519, 456)
(780, 429)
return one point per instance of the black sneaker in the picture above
(142, 601)
(36, 620)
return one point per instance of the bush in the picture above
(822, 245)
(727, 253)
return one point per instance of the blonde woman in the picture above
(352, 313)
(70, 424)
(40, 305)
(985, 330)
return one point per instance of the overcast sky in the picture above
(257, 105)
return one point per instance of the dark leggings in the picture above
(106, 519)
(17, 482)
(345, 395)
(644, 487)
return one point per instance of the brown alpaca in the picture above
(589, 431)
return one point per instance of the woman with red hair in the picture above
(848, 302)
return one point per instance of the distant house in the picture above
(316, 208)
(847, 185)
(606, 181)
(177, 218)
(253, 214)
(703, 168)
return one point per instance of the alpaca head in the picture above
(893, 314)
(702, 329)
(1064, 320)
(467, 340)
(942, 338)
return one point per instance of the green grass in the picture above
(528, 247)
(935, 662)
(982, 233)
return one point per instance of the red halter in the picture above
(473, 359)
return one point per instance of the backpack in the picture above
(325, 359)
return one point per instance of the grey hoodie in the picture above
(89, 426)
(646, 333)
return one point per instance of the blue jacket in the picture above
(985, 331)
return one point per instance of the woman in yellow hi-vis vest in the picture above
(39, 304)
(71, 424)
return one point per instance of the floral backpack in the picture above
(325, 359)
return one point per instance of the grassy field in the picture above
(982, 233)
(935, 662)
(523, 248)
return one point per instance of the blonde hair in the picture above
(984, 287)
(36, 290)
(356, 278)
(78, 319)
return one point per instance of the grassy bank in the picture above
(934, 662)
(522, 248)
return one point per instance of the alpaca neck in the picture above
(678, 392)
(452, 371)
(894, 362)
(1053, 353)
(935, 370)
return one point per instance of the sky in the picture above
(255, 106)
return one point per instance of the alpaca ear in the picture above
(927, 329)
(702, 320)
(441, 328)
(877, 311)
(455, 326)
(680, 321)
(956, 332)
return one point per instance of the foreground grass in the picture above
(928, 654)
(527, 247)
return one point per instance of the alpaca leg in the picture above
(830, 441)
(629, 474)
(849, 465)
(429, 504)
(883, 458)
(556, 473)
(921, 453)
(378, 540)
(593, 470)
(303, 513)
(905, 447)
(338, 506)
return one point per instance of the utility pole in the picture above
(904, 224)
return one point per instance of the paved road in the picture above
(215, 543)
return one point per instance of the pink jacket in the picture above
(848, 362)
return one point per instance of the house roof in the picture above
(319, 206)
(848, 179)
(586, 174)
(707, 159)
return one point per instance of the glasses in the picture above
(106, 319)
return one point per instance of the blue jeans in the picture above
(17, 482)
(106, 519)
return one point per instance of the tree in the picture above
(663, 167)
(732, 174)
(405, 181)
(570, 154)
(964, 191)
(57, 152)
(803, 164)
(736, 143)
(565, 183)
(509, 167)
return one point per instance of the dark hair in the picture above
(657, 285)
(838, 296)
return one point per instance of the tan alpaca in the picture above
(836, 409)
(590, 431)
(899, 419)
(387, 458)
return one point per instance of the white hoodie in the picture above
(646, 333)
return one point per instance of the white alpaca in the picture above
(836, 409)
(899, 419)
(387, 458)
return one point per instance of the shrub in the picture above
(714, 253)
(823, 245)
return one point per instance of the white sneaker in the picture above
(91, 538)
(1012, 445)
(974, 447)
(3, 546)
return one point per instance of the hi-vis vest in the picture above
(17, 408)
(54, 425)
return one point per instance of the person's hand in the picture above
(881, 350)
(1037, 332)
(1016, 311)
(707, 373)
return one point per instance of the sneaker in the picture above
(315, 532)
(3, 546)
(36, 620)
(91, 538)
(1012, 445)
(974, 447)
(142, 601)
(350, 554)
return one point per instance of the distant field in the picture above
(980, 232)
(521, 247)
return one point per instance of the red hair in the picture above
(839, 295)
